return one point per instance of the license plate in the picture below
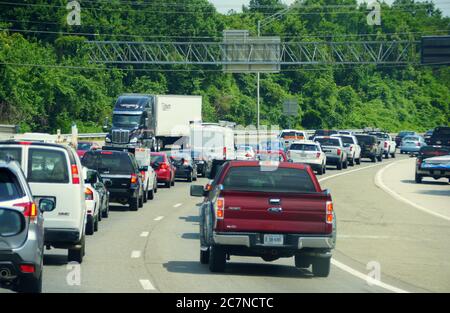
(274, 240)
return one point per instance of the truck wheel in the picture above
(380, 158)
(146, 196)
(172, 183)
(320, 171)
(90, 228)
(302, 261)
(345, 165)
(204, 256)
(77, 254)
(105, 214)
(386, 156)
(96, 223)
(217, 259)
(30, 285)
(352, 161)
(393, 155)
(134, 204)
(321, 267)
(373, 159)
(418, 178)
(339, 166)
(189, 179)
(141, 201)
(358, 161)
(151, 194)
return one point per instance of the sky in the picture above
(224, 6)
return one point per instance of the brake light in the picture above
(385, 144)
(224, 153)
(247, 155)
(29, 209)
(143, 173)
(25, 143)
(338, 151)
(419, 161)
(318, 155)
(27, 268)
(329, 212)
(106, 152)
(88, 194)
(351, 148)
(186, 162)
(220, 208)
(418, 144)
(134, 179)
(75, 175)
(163, 166)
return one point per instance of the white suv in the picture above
(54, 172)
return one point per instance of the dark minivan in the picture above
(120, 173)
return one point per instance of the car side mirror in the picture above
(46, 205)
(143, 169)
(107, 183)
(198, 191)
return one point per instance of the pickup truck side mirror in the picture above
(197, 191)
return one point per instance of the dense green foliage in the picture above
(64, 88)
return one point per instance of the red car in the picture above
(165, 170)
(282, 212)
(85, 146)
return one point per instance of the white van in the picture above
(54, 172)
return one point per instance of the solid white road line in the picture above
(379, 183)
(145, 234)
(178, 205)
(135, 254)
(159, 218)
(146, 284)
(348, 269)
(368, 279)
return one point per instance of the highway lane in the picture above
(157, 250)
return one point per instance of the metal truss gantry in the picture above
(284, 53)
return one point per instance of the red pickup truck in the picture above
(270, 210)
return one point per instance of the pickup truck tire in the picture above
(419, 178)
(151, 194)
(168, 184)
(393, 155)
(96, 223)
(373, 159)
(204, 256)
(352, 161)
(386, 155)
(172, 183)
(217, 259)
(30, 285)
(301, 261)
(339, 166)
(380, 158)
(321, 267)
(134, 204)
(90, 229)
(345, 165)
(146, 195)
(77, 254)
(320, 171)
(190, 178)
(358, 161)
(141, 201)
(105, 213)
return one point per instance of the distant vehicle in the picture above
(388, 146)
(323, 133)
(309, 152)
(433, 161)
(401, 135)
(121, 174)
(213, 140)
(21, 232)
(441, 136)
(346, 132)
(245, 153)
(92, 206)
(153, 121)
(272, 145)
(84, 146)
(370, 147)
(427, 136)
(412, 144)
(272, 155)
(185, 166)
(334, 150)
(202, 161)
(352, 147)
(165, 170)
(54, 173)
(288, 136)
(274, 214)
(98, 193)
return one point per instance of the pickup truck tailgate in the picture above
(275, 213)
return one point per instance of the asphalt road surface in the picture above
(157, 248)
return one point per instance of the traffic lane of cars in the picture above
(375, 229)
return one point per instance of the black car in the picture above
(185, 166)
(203, 163)
(120, 173)
(440, 137)
(370, 147)
(93, 178)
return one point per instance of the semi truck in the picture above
(153, 121)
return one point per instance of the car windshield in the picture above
(122, 120)
(9, 186)
(84, 146)
(304, 147)
(328, 141)
(107, 162)
(284, 180)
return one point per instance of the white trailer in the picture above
(213, 140)
(173, 115)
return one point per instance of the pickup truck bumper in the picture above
(291, 241)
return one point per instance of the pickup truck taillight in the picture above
(318, 155)
(338, 151)
(385, 144)
(220, 208)
(329, 215)
(88, 194)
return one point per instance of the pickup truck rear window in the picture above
(303, 147)
(9, 186)
(285, 180)
(328, 142)
(348, 140)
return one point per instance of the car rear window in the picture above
(286, 180)
(10, 188)
(410, 138)
(287, 134)
(441, 132)
(347, 139)
(304, 147)
(367, 140)
(109, 162)
(47, 166)
(328, 141)
(10, 153)
(158, 159)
